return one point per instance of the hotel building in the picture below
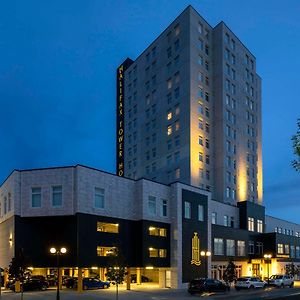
(189, 174)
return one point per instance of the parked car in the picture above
(133, 278)
(249, 283)
(41, 278)
(94, 283)
(31, 285)
(71, 282)
(201, 285)
(281, 280)
(87, 283)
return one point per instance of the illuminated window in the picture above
(218, 246)
(260, 226)
(57, 195)
(156, 231)
(287, 249)
(99, 198)
(241, 248)
(177, 125)
(177, 173)
(108, 227)
(105, 251)
(169, 83)
(169, 130)
(187, 210)
(169, 115)
(250, 224)
(36, 197)
(230, 247)
(177, 29)
(226, 221)
(160, 253)
(177, 110)
(200, 28)
(280, 248)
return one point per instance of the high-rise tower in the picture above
(192, 111)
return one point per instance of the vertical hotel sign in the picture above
(195, 250)
(120, 116)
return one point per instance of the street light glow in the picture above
(63, 250)
(52, 250)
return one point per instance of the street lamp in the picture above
(205, 254)
(58, 252)
(268, 261)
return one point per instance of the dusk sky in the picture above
(57, 79)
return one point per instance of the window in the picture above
(225, 220)
(177, 29)
(200, 213)
(161, 253)
(169, 84)
(213, 218)
(250, 224)
(187, 210)
(36, 197)
(99, 198)
(280, 248)
(200, 140)
(250, 247)
(57, 195)
(152, 205)
(169, 130)
(157, 231)
(218, 246)
(105, 250)
(230, 247)
(287, 249)
(164, 208)
(9, 202)
(260, 248)
(241, 248)
(228, 192)
(200, 156)
(108, 227)
(260, 226)
(297, 251)
(292, 255)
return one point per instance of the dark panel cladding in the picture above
(36, 235)
(189, 228)
(120, 126)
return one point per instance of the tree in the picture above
(296, 147)
(116, 271)
(230, 272)
(291, 269)
(18, 268)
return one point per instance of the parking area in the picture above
(151, 291)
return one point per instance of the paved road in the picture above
(158, 294)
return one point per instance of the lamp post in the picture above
(205, 255)
(268, 261)
(58, 252)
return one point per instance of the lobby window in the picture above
(160, 253)
(36, 197)
(260, 226)
(157, 231)
(105, 251)
(200, 213)
(107, 227)
(250, 247)
(250, 224)
(225, 221)
(187, 210)
(57, 195)
(152, 205)
(230, 247)
(213, 218)
(241, 248)
(280, 248)
(287, 249)
(164, 208)
(218, 246)
(99, 198)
